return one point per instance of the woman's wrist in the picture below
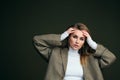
(91, 43)
(64, 35)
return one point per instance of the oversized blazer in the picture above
(52, 49)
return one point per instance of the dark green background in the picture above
(22, 19)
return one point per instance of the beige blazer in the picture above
(52, 49)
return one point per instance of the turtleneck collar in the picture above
(71, 50)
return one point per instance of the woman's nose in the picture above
(77, 40)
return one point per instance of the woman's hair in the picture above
(86, 49)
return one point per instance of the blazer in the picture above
(52, 49)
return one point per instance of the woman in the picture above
(73, 55)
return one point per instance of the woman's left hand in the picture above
(86, 34)
(90, 42)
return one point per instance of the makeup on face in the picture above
(76, 40)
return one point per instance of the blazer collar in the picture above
(64, 54)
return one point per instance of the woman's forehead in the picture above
(78, 33)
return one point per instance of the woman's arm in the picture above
(105, 56)
(45, 43)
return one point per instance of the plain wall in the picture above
(22, 19)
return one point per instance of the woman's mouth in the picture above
(76, 46)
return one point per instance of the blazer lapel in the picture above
(64, 54)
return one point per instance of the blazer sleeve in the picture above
(105, 56)
(45, 43)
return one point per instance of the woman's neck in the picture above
(73, 50)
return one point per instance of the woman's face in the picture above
(76, 40)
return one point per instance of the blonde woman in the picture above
(73, 55)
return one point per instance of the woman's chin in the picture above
(75, 48)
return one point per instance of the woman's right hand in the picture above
(66, 33)
(70, 30)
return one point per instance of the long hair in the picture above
(86, 50)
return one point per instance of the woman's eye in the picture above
(74, 36)
(82, 39)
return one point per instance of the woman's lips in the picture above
(76, 46)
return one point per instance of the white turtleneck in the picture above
(74, 70)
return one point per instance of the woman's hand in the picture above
(90, 42)
(70, 30)
(86, 34)
(66, 33)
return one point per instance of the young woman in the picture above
(73, 55)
